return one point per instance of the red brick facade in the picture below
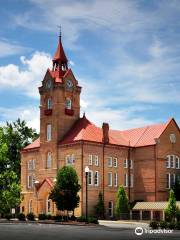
(65, 138)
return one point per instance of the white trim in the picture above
(177, 162)
(125, 163)
(172, 161)
(90, 159)
(110, 179)
(96, 160)
(111, 208)
(168, 165)
(109, 159)
(49, 103)
(125, 180)
(49, 132)
(90, 173)
(96, 179)
(49, 160)
(115, 162)
(115, 179)
(68, 103)
(132, 181)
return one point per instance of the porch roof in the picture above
(153, 205)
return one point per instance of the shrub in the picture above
(163, 224)
(171, 225)
(177, 226)
(153, 225)
(81, 219)
(93, 220)
(58, 218)
(49, 217)
(178, 215)
(30, 216)
(21, 216)
(42, 216)
(8, 216)
(73, 218)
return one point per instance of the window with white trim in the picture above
(30, 209)
(31, 164)
(96, 178)
(115, 179)
(125, 180)
(49, 103)
(109, 161)
(110, 209)
(68, 103)
(132, 181)
(48, 206)
(172, 161)
(90, 177)
(177, 163)
(90, 159)
(125, 163)
(70, 159)
(110, 179)
(168, 160)
(131, 163)
(96, 160)
(172, 179)
(30, 179)
(49, 160)
(168, 180)
(49, 132)
(115, 162)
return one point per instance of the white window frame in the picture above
(131, 164)
(90, 159)
(115, 179)
(96, 160)
(126, 163)
(49, 132)
(96, 178)
(30, 181)
(30, 208)
(111, 208)
(109, 159)
(49, 160)
(90, 176)
(177, 162)
(168, 161)
(68, 103)
(172, 161)
(125, 180)
(115, 162)
(168, 177)
(30, 165)
(47, 205)
(34, 163)
(109, 179)
(49, 103)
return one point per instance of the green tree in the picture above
(121, 207)
(65, 191)
(171, 208)
(176, 188)
(99, 208)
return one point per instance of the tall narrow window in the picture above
(30, 209)
(49, 160)
(125, 163)
(109, 161)
(30, 181)
(110, 179)
(168, 180)
(110, 208)
(168, 165)
(49, 132)
(96, 160)
(115, 162)
(48, 206)
(172, 161)
(90, 159)
(125, 180)
(132, 180)
(49, 103)
(177, 163)
(90, 177)
(96, 178)
(115, 179)
(68, 103)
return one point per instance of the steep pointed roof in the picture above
(60, 54)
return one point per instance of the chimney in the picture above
(105, 128)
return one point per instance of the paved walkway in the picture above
(123, 224)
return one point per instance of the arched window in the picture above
(68, 103)
(49, 103)
(49, 133)
(48, 205)
(49, 160)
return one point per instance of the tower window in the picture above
(49, 132)
(110, 208)
(49, 160)
(68, 103)
(49, 103)
(110, 179)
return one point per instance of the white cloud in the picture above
(27, 78)
(11, 48)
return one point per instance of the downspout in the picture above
(82, 171)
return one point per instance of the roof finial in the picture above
(84, 115)
(59, 32)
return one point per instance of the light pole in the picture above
(36, 184)
(86, 172)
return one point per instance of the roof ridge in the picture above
(146, 128)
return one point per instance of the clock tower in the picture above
(59, 103)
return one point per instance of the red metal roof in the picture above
(84, 130)
(48, 180)
(60, 54)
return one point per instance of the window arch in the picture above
(68, 103)
(49, 160)
(49, 103)
(48, 205)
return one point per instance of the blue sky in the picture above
(124, 53)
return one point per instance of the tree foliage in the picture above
(171, 208)
(65, 191)
(99, 208)
(121, 207)
(176, 188)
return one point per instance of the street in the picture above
(31, 231)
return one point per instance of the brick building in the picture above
(145, 160)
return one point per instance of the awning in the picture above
(152, 205)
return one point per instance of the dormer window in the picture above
(68, 103)
(49, 103)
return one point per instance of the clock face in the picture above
(48, 84)
(69, 83)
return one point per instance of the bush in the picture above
(58, 218)
(21, 216)
(49, 217)
(178, 215)
(8, 216)
(93, 220)
(73, 218)
(30, 216)
(42, 216)
(153, 225)
(171, 225)
(81, 219)
(177, 226)
(163, 224)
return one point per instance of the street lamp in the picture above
(36, 184)
(86, 172)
